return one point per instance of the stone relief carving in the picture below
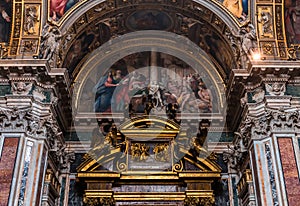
(258, 95)
(243, 44)
(266, 21)
(256, 128)
(199, 201)
(13, 119)
(139, 151)
(162, 152)
(38, 94)
(98, 201)
(272, 120)
(276, 89)
(248, 36)
(31, 18)
(235, 43)
(50, 42)
(46, 127)
(21, 88)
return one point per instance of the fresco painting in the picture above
(147, 87)
(149, 20)
(292, 21)
(239, 8)
(59, 7)
(5, 20)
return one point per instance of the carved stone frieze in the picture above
(99, 201)
(272, 120)
(199, 201)
(25, 121)
(259, 127)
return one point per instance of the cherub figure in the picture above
(20, 88)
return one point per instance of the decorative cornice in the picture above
(26, 121)
(258, 126)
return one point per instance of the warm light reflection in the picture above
(256, 56)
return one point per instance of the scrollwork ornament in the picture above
(121, 166)
(199, 201)
(99, 201)
(14, 119)
(178, 167)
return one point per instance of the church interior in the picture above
(149, 102)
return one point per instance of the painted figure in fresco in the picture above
(235, 7)
(155, 92)
(292, 20)
(136, 83)
(203, 101)
(104, 91)
(186, 92)
(5, 19)
(205, 97)
(59, 7)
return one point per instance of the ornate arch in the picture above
(110, 18)
(213, 6)
(165, 42)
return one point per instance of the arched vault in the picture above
(92, 23)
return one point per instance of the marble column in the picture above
(31, 141)
(269, 131)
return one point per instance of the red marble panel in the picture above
(41, 178)
(7, 162)
(290, 171)
(255, 173)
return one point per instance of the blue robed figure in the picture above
(104, 90)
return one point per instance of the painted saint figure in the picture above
(59, 7)
(238, 8)
(5, 19)
(104, 91)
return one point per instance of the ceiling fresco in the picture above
(238, 8)
(103, 28)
